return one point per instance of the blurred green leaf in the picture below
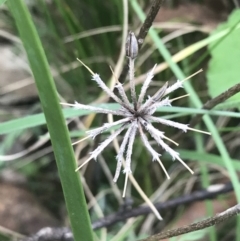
(2, 1)
(223, 71)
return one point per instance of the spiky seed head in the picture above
(136, 116)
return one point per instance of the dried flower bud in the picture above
(131, 46)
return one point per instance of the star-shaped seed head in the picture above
(136, 116)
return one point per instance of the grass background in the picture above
(92, 31)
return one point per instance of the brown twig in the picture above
(221, 217)
(211, 104)
(170, 204)
(156, 5)
(215, 101)
(148, 21)
(50, 234)
(64, 234)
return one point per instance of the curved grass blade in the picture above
(39, 119)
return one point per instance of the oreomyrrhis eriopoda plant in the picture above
(137, 116)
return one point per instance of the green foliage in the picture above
(223, 71)
(2, 2)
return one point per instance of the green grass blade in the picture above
(39, 119)
(205, 179)
(206, 158)
(73, 192)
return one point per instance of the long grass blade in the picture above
(72, 188)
